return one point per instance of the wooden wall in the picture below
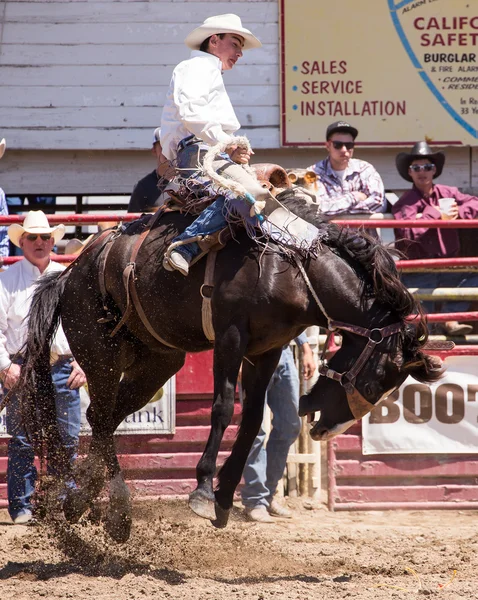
(93, 75)
(83, 83)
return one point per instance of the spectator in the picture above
(265, 464)
(36, 238)
(149, 193)
(429, 200)
(346, 184)
(4, 244)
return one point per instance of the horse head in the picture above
(362, 373)
(356, 286)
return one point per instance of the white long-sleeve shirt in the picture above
(197, 103)
(17, 285)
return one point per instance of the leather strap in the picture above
(88, 248)
(142, 314)
(206, 293)
(129, 276)
(102, 268)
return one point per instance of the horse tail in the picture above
(36, 385)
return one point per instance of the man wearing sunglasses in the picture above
(346, 184)
(430, 200)
(36, 238)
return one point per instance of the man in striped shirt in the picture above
(346, 184)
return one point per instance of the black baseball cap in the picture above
(341, 127)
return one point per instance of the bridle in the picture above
(375, 336)
(358, 405)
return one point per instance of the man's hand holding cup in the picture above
(448, 208)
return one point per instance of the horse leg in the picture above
(102, 366)
(139, 384)
(255, 379)
(228, 352)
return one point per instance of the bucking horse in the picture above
(255, 299)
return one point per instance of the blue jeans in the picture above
(211, 218)
(21, 471)
(450, 280)
(265, 464)
(209, 221)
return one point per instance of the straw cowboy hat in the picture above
(76, 246)
(420, 150)
(35, 222)
(3, 145)
(221, 24)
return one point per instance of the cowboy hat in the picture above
(35, 222)
(221, 24)
(420, 150)
(3, 145)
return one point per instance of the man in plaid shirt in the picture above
(346, 184)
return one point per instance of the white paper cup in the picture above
(445, 204)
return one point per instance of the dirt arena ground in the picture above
(316, 555)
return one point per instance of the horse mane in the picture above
(379, 268)
(360, 247)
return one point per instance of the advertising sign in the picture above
(440, 418)
(399, 70)
(158, 416)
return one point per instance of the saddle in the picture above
(187, 200)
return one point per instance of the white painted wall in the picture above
(93, 75)
(83, 83)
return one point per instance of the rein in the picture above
(358, 405)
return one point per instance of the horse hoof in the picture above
(118, 526)
(74, 506)
(222, 517)
(202, 504)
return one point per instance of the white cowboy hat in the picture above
(3, 145)
(35, 222)
(221, 24)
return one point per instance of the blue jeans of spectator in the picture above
(266, 463)
(449, 280)
(21, 471)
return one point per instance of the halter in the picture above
(358, 405)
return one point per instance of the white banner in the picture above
(158, 416)
(440, 418)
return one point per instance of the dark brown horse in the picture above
(260, 301)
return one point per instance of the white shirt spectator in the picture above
(17, 286)
(197, 103)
